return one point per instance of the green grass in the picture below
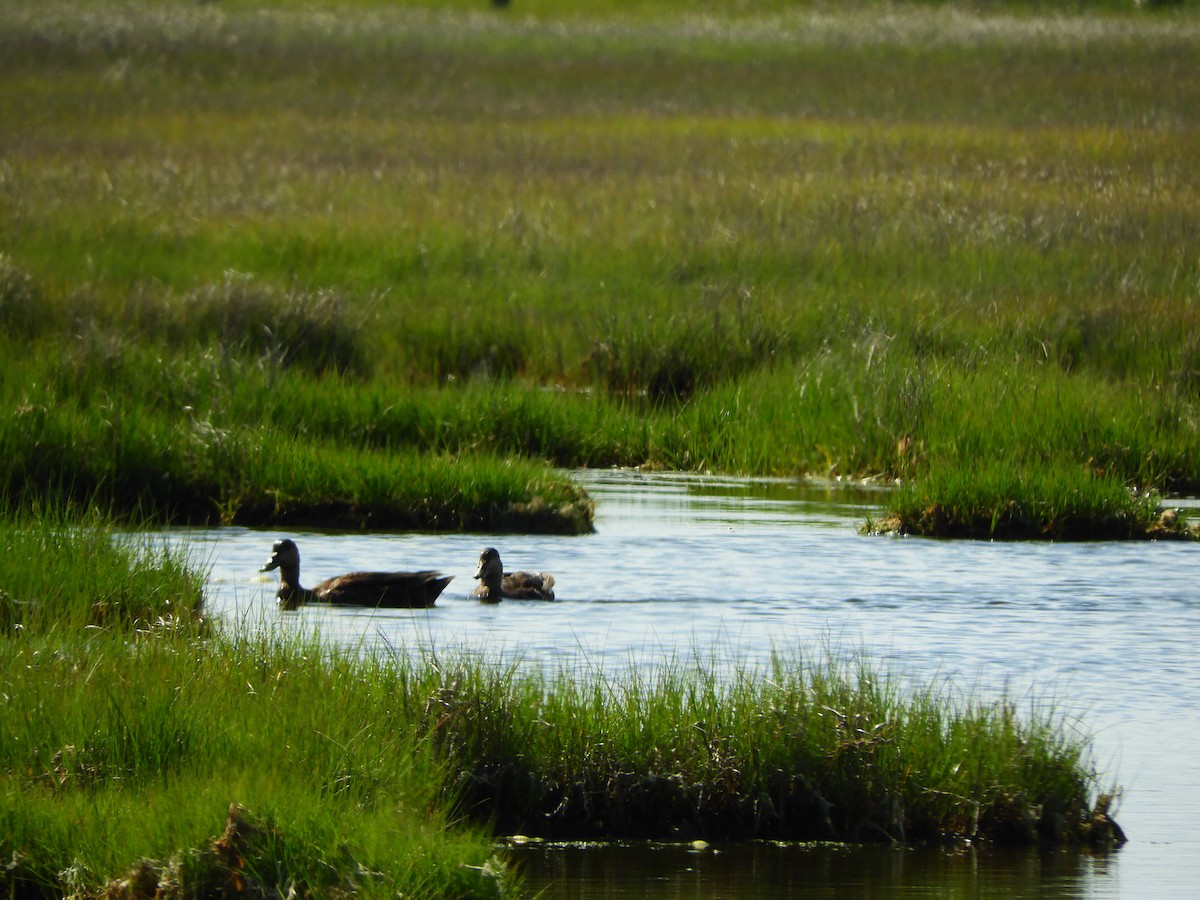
(358, 770)
(290, 450)
(61, 576)
(978, 502)
(824, 750)
(138, 743)
(896, 242)
(141, 759)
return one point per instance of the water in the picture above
(730, 571)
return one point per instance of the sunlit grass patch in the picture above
(182, 468)
(195, 767)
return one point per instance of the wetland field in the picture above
(409, 267)
(387, 264)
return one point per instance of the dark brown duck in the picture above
(387, 590)
(495, 584)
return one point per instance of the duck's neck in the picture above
(290, 594)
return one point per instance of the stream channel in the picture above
(729, 571)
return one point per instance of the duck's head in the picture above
(490, 568)
(284, 554)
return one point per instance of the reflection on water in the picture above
(780, 870)
(731, 571)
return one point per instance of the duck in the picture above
(495, 584)
(385, 590)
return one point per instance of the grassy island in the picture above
(397, 264)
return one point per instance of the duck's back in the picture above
(389, 590)
(528, 586)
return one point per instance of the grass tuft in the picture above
(809, 752)
(995, 503)
(89, 578)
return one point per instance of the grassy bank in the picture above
(214, 768)
(288, 262)
(141, 751)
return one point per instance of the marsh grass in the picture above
(190, 767)
(981, 502)
(319, 331)
(807, 751)
(346, 770)
(86, 440)
(788, 240)
(58, 574)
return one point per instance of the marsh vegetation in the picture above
(392, 265)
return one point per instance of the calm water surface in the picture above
(730, 571)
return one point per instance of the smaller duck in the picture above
(495, 584)
(385, 590)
